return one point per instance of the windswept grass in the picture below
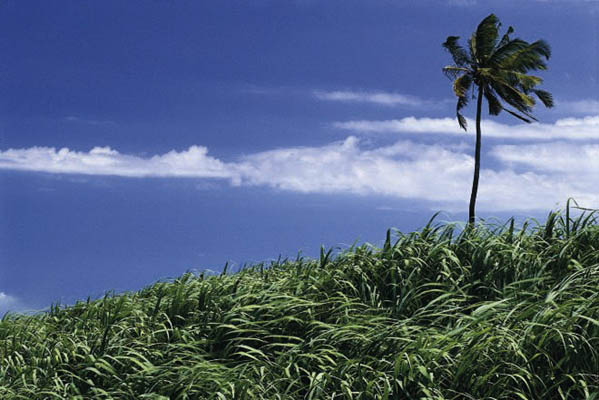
(486, 313)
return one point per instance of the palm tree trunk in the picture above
(471, 216)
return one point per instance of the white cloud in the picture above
(399, 170)
(193, 162)
(555, 157)
(571, 169)
(437, 174)
(568, 128)
(410, 170)
(379, 98)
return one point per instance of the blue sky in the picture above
(139, 140)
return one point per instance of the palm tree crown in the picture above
(498, 67)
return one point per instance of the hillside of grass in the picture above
(487, 313)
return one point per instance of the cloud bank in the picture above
(428, 172)
(567, 128)
(192, 163)
(402, 169)
(560, 157)
(405, 169)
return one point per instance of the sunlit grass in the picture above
(494, 312)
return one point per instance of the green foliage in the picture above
(491, 312)
(499, 67)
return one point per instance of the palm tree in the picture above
(498, 67)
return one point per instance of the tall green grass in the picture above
(492, 312)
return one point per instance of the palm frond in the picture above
(472, 48)
(462, 84)
(521, 101)
(511, 83)
(453, 71)
(505, 50)
(495, 106)
(485, 37)
(506, 37)
(528, 58)
(524, 111)
(462, 102)
(541, 48)
(518, 79)
(458, 53)
(520, 117)
(528, 82)
(545, 97)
